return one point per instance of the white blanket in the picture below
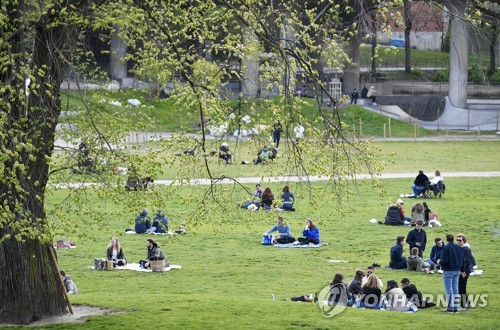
(138, 268)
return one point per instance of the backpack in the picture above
(100, 264)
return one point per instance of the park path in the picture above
(285, 179)
(293, 178)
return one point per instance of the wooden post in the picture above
(479, 131)
(390, 131)
(360, 127)
(384, 131)
(415, 131)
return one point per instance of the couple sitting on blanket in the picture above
(310, 232)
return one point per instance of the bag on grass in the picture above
(100, 264)
(267, 239)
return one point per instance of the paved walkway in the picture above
(291, 178)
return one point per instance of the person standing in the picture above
(277, 128)
(452, 260)
(397, 259)
(299, 132)
(465, 271)
(354, 96)
(417, 238)
(364, 92)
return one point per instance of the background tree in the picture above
(42, 42)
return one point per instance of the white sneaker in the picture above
(375, 104)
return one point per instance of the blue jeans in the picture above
(416, 190)
(432, 263)
(451, 286)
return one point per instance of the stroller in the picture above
(433, 190)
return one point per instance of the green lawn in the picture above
(227, 278)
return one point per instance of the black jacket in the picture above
(394, 217)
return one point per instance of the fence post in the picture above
(390, 131)
(360, 127)
(479, 131)
(384, 131)
(415, 131)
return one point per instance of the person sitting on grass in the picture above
(160, 223)
(395, 299)
(431, 218)
(256, 198)
(288, 199)
(435, 256)
(267, 199)
(339, 293)
(154, 253)
(310, 233)
(284, 230)
(355, 285)
(262, 156)
(413, 295)
(142, 222)
(69, 285)
(417, 213)
(394, 216)
(397, 259)
(414, 262)
(272, 151)
(115, 252)
(372, 291)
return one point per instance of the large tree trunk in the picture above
(30, 286)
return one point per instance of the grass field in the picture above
(227, 278)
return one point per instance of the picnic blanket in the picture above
(305, 246)
(138, 268)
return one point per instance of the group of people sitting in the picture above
(420, 211)
(143, 223)
(365, 291)
(265, 200)
(115, 254)
(310, 233)
(265, 154)
(422, 184)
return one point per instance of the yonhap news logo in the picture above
(332, 302)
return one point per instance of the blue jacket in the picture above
(311, 233)
(397, 259)
(161, 224)
(284, 231)
(142, 223)
(436, 253)
(452, 257)
(414, 237)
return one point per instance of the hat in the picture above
(405, 281)
(399, 201)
